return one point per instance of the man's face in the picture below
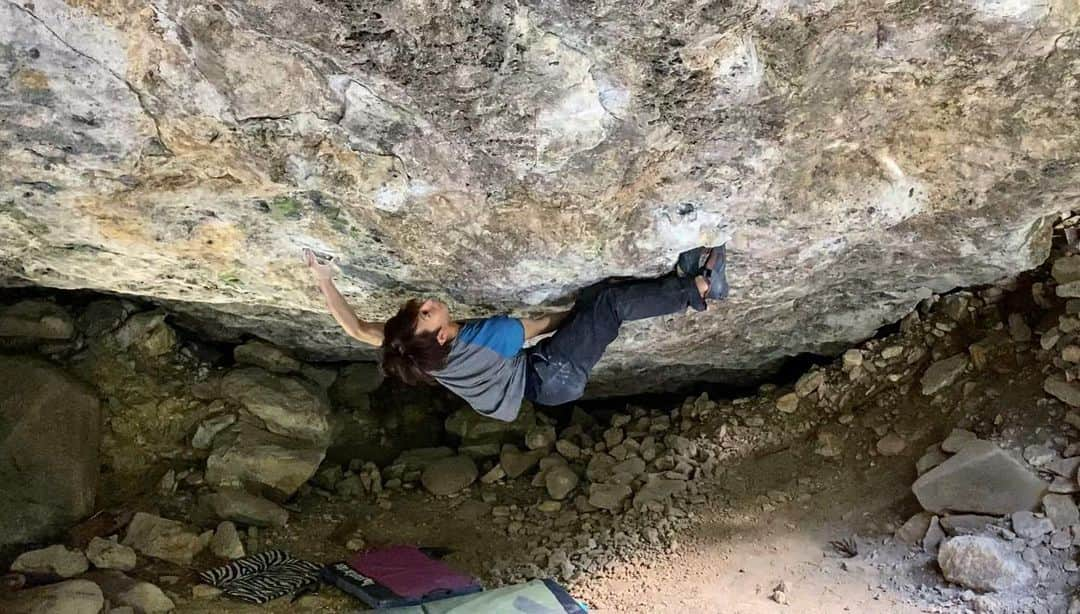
(434, 317)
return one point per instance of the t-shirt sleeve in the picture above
(502, 334)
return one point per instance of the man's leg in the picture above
(563, 361)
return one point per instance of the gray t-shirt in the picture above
(486, 366)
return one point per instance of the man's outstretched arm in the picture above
(366, 332)
(534, 327)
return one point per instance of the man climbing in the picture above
(485, 361)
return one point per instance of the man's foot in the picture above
(691, 263)
(715, 272)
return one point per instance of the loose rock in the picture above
(608, 496)
(243, 507)
(981, 478)
(981, 563)
(560, 481)
(56, 560)
(107, 554)
(891, 445)
(449, 475)
(943, 373)
(226, 542)
(1061, 510)
(163, 539)
(70, 597)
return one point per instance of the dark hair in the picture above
(408, 355)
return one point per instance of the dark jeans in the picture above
(558, 367)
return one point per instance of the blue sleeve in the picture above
(502, 334)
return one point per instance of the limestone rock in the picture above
(449, 475)
(1066, 269)
(56, 560)
(476, 430)
(560, 481)
(809, 383)
(966, 524)
(1067, 392)
(36, 320)
(245, 508)
(913, 530)
(287, 406)
(1030, 526)
(943, 373)
(1018, 328)
(658, 489)
(354, 382)
(70, 597)
(1061, 510)
(267, 356)
(957, 439)
(540, 437)
(932, 458)
(107, 554)
(891, 445)
(164, 539)
(933, 537)
(226, 542)
(142, 596)
(852, 359)
(788, 403)
(50, 434)
(248, 456)
(982, 564)
(196, 187)
(608, 496)
(209, 428)
(981, 478)
(101, 317)
(147, 333)
(515, 462)
(599, 467)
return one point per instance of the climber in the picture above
(485, 361)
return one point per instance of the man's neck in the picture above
(452, 330)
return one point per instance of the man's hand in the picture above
(321, 271)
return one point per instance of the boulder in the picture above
(146, 333)
(657, 488)
(474, 429)
(287, 405)
(243, 507)
(267, 356)
(163, 539)
(982, 563)
(101, 317)
(204, 435)
(913, 530)
(967, 524)
(540, 437)
(50, 433)
(1028, 525)
(107, 554)
(1066, 392)
(980, 478)
(70, 597)
(943, 373)
(270, 464)
(891, 445)
(143, 597)
(609, 496)
(515, 462)
(560, 481)
(54, 560)
(226, 542)
(449, 475)
(354, 383)
(36, 320)
(1061, 510)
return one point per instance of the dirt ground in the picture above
(769, 521)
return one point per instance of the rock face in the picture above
(505, 155)
(50, 431)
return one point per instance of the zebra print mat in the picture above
(263, 577)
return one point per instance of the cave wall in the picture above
(499, 155)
